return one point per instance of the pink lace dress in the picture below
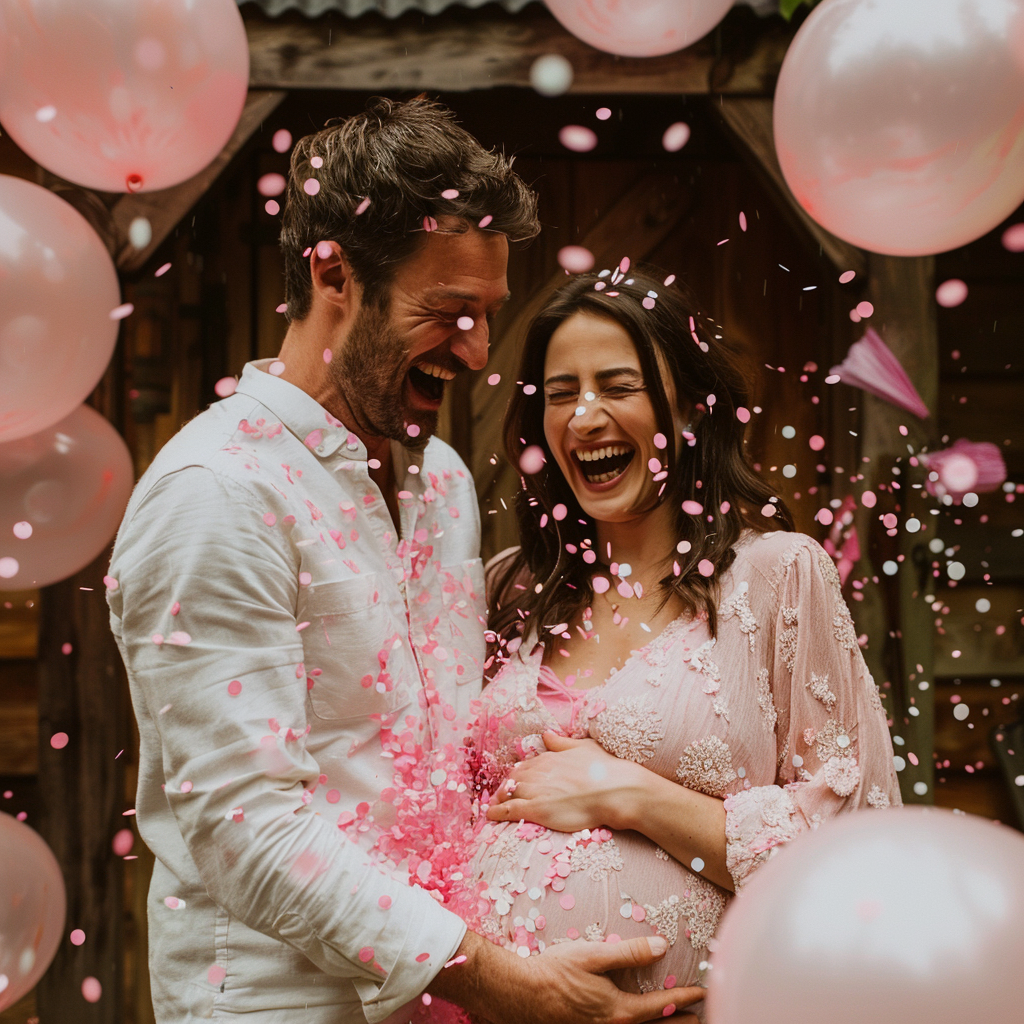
(778, 716)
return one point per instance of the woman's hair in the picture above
(712, 469)
(379, 175)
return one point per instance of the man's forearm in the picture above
(474, 982)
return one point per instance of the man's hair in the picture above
(400, 157)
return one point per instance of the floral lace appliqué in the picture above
(833, 741)
(877, 799)
(842, 775)
(788, 638)
(829, 571)
(701, 661)
(818, 686)
(597, 860)
(739, 605)
(630, 729)
(765, 702)
(706, 766)
(664, 918)
(702, 905)
(843, 629)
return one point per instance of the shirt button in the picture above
(320, 448)
(352, 447)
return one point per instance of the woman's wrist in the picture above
(626, 806)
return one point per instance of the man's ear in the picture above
(332, 279)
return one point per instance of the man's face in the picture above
(394, 365)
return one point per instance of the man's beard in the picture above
(370, 373)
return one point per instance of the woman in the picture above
(677, 684)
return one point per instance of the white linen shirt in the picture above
(273, 623)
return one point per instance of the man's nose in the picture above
(470, 344)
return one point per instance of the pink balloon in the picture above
(122, 95)
(911, 915)
(58, 287)
(71, 482)
(639, 28)
(32, 907)
(898, 125)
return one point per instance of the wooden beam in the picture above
(166, 207)
(634, 226)
(749, 121)
(483, 49)
(902, 291)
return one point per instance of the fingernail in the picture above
(658, 945)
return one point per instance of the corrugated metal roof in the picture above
(393, 8)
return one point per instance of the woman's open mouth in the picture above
(603, 465)
(429, 381)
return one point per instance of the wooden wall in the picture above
(215, 308)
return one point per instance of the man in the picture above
(297, 576)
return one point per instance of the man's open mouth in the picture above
(604, 464)
(429, 380)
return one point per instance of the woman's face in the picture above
(599, 421)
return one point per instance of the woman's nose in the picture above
(588, 417)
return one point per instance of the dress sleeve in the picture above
(834, 750)
(235, 769)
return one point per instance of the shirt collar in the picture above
(311, 423)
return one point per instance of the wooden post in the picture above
(894, 613)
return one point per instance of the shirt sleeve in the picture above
(205, 608)
(834, 749)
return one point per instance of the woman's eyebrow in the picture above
(601, 375)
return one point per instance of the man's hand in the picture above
(575, 785)
(563, 985)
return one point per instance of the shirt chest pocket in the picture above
(358, 660)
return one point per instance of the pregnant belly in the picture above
(537, 887)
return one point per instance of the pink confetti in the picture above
(385, 901)
(648, 302)
(532, 459)
(323, 250)
(743, 221)
(413, 430)
(559, 512)
(225, 387)
(577, 138)
(601, 585)
(660, 440)
(768, 510)
(669, 280)
(311, 186)
(706, 567)
(951, 293)
(123, 842)
(162, 269)
(313, 438)
(567, 901)
(654, 464)
(429, 224)
(669, 1010)
(316, 161)
(272, 184)
(77, 937)
(305, 578)
(120, 312)
(176, 607)
(577, 259)
(272, 206)
(92, 990)
(422, 957)
(363, 206)
(276, 368)
(465, 323)
(743, 414)
(865, 309)
(824, 516)
(269, 518)
(65, 648)
(215, 975)
(889, 521)
(694, 508)
(59, 740)
(670, 981)
(22, 530)
(602, 113)
(1013, 238)
(282, 308)
(869, 499)
(493, 379)
(847, 276)
(816, 442)
(366, 954)
(281, 140)
(234, 687)
(450, 193)
(484, 221)
(676, 136)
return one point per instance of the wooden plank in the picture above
(967, 642)
(166, 207)
(986, 330)
(487, 48)
(83, 694)
(19, 738)
(644, 215)
(749, 122)
(19, 623)
(986, 409)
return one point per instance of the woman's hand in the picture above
(575, 785)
